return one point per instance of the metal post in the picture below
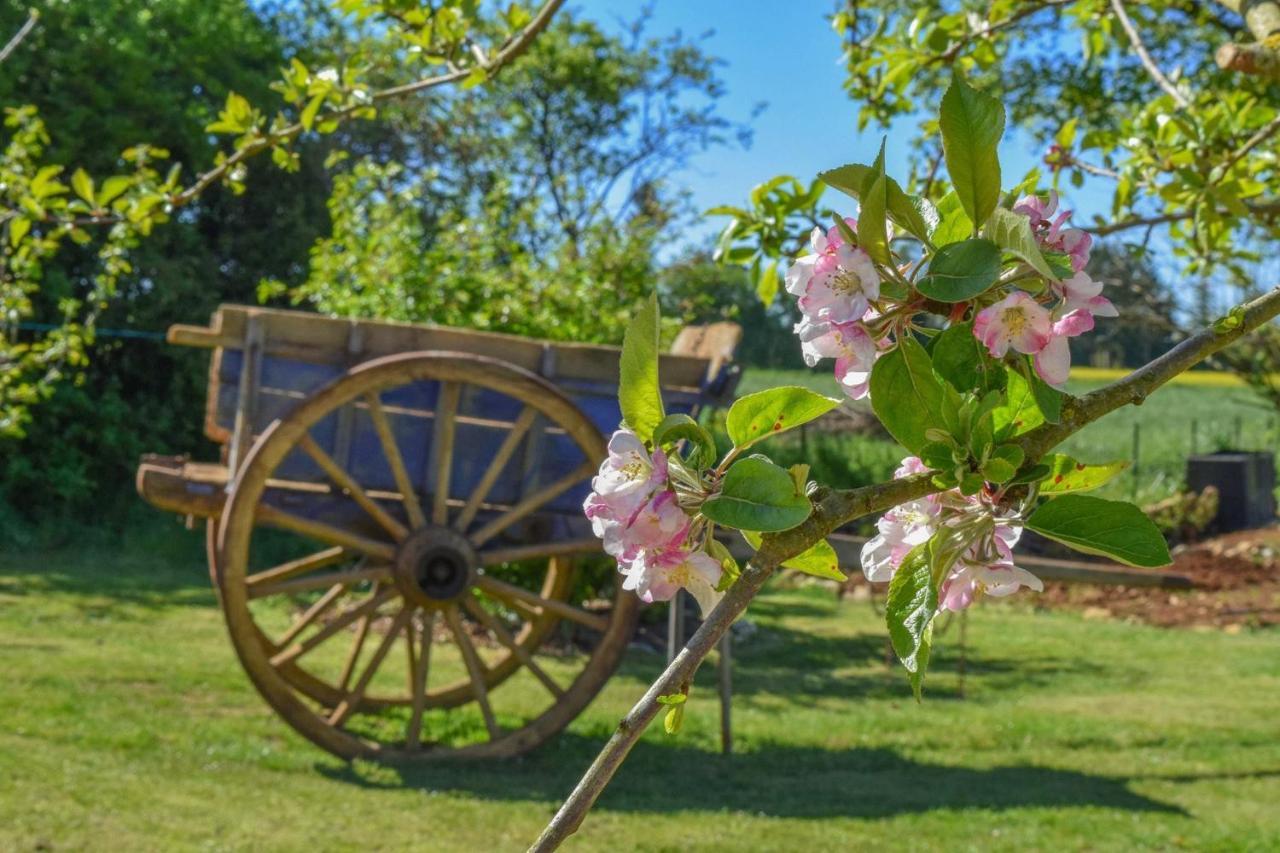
(675, 625)
(1195, 436)
(725, 668)
(1239, 432)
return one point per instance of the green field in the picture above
(1213, 410)
(129, 725)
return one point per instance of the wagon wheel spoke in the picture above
(503, 636)
(517, 553)
(391, 450)
(322, 604)
(351, 614)
(343, 578)
(357, 646)
(352, 699)
(530, 504)
(323, 532)
(293, 568)
(442, 449)
(472, 660)
(420, 667)
(345, 481)
(509, 444)
(512, 594)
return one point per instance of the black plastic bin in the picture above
(1246, 485)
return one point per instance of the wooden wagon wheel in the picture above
(430, 574)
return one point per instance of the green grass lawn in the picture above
(1219, 410)
(128, 724)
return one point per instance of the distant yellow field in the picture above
(1203, 378)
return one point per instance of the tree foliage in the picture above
(538, 205)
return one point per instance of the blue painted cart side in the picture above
(266, 362)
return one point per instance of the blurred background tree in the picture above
(537, 205)
(539, 202)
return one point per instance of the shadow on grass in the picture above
(151, 566)
(771, 779)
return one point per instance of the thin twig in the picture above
(32, 17)
(1027, 11)
(1261, 209)
(835, 508)
(1147, 62)
(512, 49)
(1264, 133)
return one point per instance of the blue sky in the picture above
(784, 53)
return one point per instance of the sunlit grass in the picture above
(128, 724)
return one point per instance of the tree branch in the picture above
(835, 508)
(510, 51)
(1135, 39)
(1261, 58)
(1260, 208)
(22, 33)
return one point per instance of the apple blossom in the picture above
(1080, 292)
(837, 282)
(1016, 321)
(854, 350)
(637, 514)
(1050, 234)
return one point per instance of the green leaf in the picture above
(972, 123)
(915, 215)
(960, 271)
(1048, 398)
(953, 223)
(1012, 232)
(83, 185)
(639, 394)
(767, 284)
(674, 719)
(1113, 529)
(1067, 475)
(820, 560)
(18, 228)
(757, 416)
(911, 605)
(728, 565)
(905, 394)
(757, 495)
(112, 188)
(1019, 413)
(848, 178)
(674, 428)
(873, 236)
(673, 699)
(312, 108)
(960, 359)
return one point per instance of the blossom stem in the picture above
(833, 508)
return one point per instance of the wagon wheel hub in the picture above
(435, 566)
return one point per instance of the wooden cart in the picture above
(393, 527)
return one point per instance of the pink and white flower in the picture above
(659, 578)
(970, 580)
(1082, 293)
(1050, 234)
(986, 566)
(898, 531)
(854, 350)
(629, 475)
(837, 282)
(1016, 321)
(1053, 363)
(637, 514)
